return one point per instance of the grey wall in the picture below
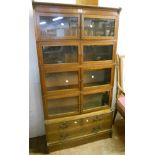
(36, 127)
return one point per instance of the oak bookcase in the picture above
(76, 48)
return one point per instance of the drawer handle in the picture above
(81, 122)
(98, 118)
(96, 129)
(63, 136)
(64, 125)
(95, 119)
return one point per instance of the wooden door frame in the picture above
(99, 37)
(104, 43)
(58, 43)
(38, 30)
(58, 96)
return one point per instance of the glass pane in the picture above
(58, 26)
(60, 54)
(98, 52)
(97, 77)
(62, 80)
(99, 27)
(62, 105)
(95, 100)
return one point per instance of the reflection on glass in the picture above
(58, 26)
(62, 105)
(62, 80)
(98, 52)
(60, 54)
(95, 100)
(99, 27)
(97, 77)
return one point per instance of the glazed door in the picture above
(61, 81)
(62, 105)
(97, 77)
(95, 101)
(99, 27)
(98, 52)
(58, 26)
(59, 53)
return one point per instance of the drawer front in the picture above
(79, 141)
(68, 125)
(78, 132)
(77, 128)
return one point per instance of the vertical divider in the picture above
(110, 98)
(81, 94)
(81, 22)
(79, 106)
(112, 75)
(81, 98)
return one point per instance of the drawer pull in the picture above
(95, 119)
(81, 122)
(98, 118)
(96, 129)
(75, 122)
(63, 136)
(63, 125)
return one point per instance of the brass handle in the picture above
(95, 119)
(64, 125)
(63, 136)
(98, 118)
(96, 129)
(81, 122)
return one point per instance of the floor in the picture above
(110, 146)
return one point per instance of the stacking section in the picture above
(76, 48)
(68, 131)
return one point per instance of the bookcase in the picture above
(76, 47)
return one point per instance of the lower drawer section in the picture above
(58, 125)
(78, 132)
(79, 141)
(67, 129)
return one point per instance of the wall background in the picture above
(36, 123)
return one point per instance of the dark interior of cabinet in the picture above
(95, 100)
(97, 77)
(58, 26)
(60, 54)
(62, 80)
(98, 52)
(99, 27)
(62, 105)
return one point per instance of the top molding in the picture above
(118, 10)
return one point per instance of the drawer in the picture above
(77, 123)
(87, 129)
(79, 141)
(78, 126)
